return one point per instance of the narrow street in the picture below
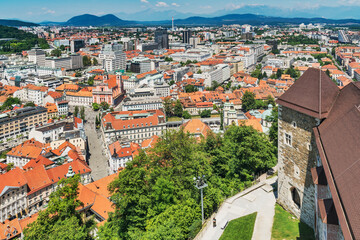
(97, 158)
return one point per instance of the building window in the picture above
(293, 124)
(309, 147)
(295, 196)
(288, 139)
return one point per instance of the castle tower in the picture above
(301, 108)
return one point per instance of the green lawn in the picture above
(240, 228)
(287, 227)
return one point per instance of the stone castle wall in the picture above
(295, 163)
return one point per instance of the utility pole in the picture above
(201, 184)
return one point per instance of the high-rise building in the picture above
(342, 37)
(140, 65)
(162, 38)
(76, 44)
(113, 57)
(37, 56)
(186, 34)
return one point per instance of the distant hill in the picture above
(92, 20)
(258, 20)
(20, 40)
(252, 19)
(16, 23)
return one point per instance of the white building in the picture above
(136, 125)
(113, 58)
(74, 61)
(37, 56)
(150, 103)
(13, 193)
(32, 93)
(120, 154)
(198, 54)
(219, 75)
(47, 133)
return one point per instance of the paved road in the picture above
(259, 201)
(97, 159)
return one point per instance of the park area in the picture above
(240, 229)
(288, 227)
(285, 227)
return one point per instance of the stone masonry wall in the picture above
(295, 163)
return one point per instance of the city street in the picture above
(97, 158)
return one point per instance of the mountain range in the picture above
(16, 23)
(253, 19)
(112, 20)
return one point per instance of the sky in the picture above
(62, 10)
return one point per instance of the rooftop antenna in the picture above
(173, 24)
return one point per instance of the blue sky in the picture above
(61, 10)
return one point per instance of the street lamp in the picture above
(200, 184)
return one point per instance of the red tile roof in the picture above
(13, 178)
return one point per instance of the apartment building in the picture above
(49, 132)
(49, 81)
(162, 89)
(20, 121)
(81, 98)
(63, 108)
(220, 74)
(120, 154)
(13, 193)
(23, 153)
(28, 191)
(134, 125)
(32, 93)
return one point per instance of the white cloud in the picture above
(144, 1)
(350, 2)
(48, 10)
(232, 6)
(206, 7)
(175, 4)
(162, 4)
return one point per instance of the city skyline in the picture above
(40, 10)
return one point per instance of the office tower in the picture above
(113, 57)
(162, 38)
(76, 44)
(342, 37)
(37, 56)
(186, 34)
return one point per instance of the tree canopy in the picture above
(248, 101)
(190, 88)
(22, 40)
(9, 102)
(155, 197)
(61, 220)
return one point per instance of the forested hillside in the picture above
(22, 40)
